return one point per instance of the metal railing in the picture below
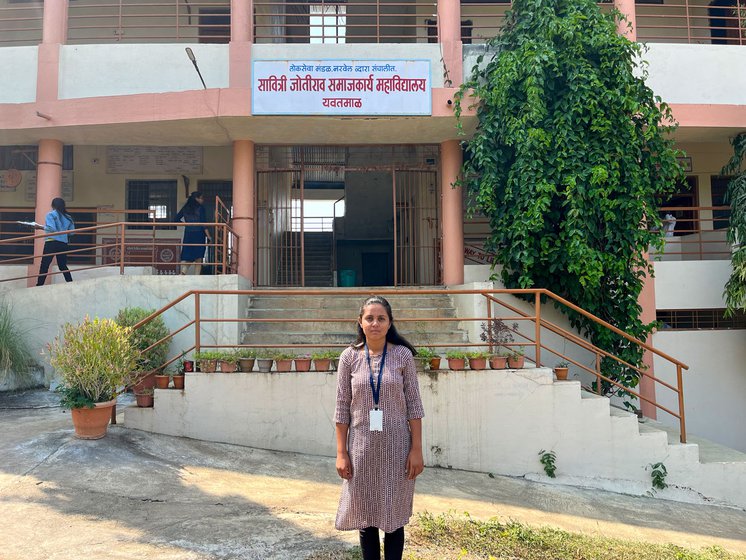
(694, 233)
(114, 247)
(21, 25)
(299, 21)
(530, 330)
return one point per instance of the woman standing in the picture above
(193, 245)
(379, 432)
(57, 220)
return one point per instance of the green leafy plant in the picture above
(478, 355)
(245, 354)
(548, 459)
(283, 355)
(145, 336)
(207, 355)
(426, 353)
(455, 355)
(16, 359)
(562, 364)
(517, 352)
(95, 359)
(735, 287)
(227, 356)
(571, 156)
(658, 474)
(146, 391)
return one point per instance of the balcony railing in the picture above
(345, 21)
(697, 233)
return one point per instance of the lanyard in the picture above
(376, 389)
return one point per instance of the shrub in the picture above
(145, 336)
(15, 355)
(95, 359)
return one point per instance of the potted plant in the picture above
(477, 360)
(456, 359)
(303, 362)
(246, 358)
(321, 361)
(154, 331)
(207, 360)
(429, 356)
(145, 398)
(95, 360)
(228, 361)
(334, 358)
(264, 360)
(162, 379)
(498, 361)
(284, 360)
(516, 358)
(561, 369)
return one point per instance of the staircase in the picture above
(346, 309)
(318, 261)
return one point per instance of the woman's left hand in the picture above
(415, 464)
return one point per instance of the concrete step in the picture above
(323, 338)
(344, 315)
(408, 328)
(346, 302)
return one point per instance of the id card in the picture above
(376, 420)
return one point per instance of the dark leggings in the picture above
(52, 250)
(393, 544)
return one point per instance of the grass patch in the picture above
(449, 536)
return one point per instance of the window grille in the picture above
(25, 158)
(700, 319)
(157, 196)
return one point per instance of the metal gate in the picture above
(287, 252)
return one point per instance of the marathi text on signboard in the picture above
(341, 87)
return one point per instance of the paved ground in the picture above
(138, 495)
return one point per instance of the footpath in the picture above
(136, 495)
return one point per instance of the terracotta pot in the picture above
(498, 362)
(322, 364)
(303, 364)
(516, 363)
(247, 364)
(457, 363)
(434, 363)
(228, 367)
(561, 373)
(144, 381)
(91, 423)
(179, 381)
(284, 365)
(208, 366)
(143, 400)
(478, 363)
(264, 364)
(161, 381)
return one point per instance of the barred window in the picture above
(700, 319)
(25, 158)
(157, 196)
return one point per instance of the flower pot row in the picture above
(476, 360)
(264, 363)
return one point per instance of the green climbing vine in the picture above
(735, 288)
(571, 157)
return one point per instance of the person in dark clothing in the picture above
(57, 220)
(195, 236)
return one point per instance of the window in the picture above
(327, 23)
(157, 196)
(682, 206)
(700, 319)
(24, 158)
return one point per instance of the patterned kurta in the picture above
(379, 494)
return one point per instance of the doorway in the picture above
(378, 224)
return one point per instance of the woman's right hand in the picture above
(344, 465)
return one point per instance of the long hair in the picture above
(392, 335)
(191, 206)
(59, 205)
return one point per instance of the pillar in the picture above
(453, 213)
(244, 206)
(54, 33)
(627, 8)
(648, 315)
(48, 187)
(449, 37)
(242, 35)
